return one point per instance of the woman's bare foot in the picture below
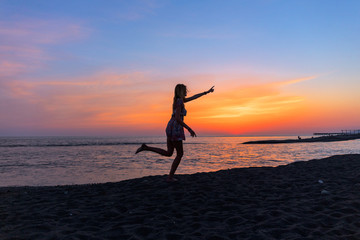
(172, 179)
(142, 148)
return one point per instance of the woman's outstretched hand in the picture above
(210, 90)
(192, 133)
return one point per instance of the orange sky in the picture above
(138, 104)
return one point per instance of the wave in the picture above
(81, 144)
(72, 144)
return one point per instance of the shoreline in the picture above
(315, 199)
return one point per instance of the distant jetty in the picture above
(345, 135)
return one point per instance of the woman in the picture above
(175, 129)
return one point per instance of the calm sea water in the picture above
(44, 161)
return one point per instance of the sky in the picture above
(109, 68)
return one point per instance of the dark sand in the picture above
(286, 202)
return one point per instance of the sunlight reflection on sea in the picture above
(40, 161)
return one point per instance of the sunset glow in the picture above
(110, 68)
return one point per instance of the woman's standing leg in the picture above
(168, 153)
(179, 153)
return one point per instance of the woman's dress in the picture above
(174, 131)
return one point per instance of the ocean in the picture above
(49, 161)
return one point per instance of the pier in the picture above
(344, 135)
(343, 132)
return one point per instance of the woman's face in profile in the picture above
(184, 93)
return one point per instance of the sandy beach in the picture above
(316, 199)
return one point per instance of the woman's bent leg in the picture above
(179, 153)
(168, 153)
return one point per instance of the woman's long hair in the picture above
(179, 92)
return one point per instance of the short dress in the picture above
(174, 131)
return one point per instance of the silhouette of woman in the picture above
(175, 129)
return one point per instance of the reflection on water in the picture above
(58, 161)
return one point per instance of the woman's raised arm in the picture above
(199, 95)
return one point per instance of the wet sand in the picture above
(317, 199)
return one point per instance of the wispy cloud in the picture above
(293, 81)
(137, 10)
(10, 68)
(37, 31)
(23, 44)
(199, 35)
(265, 106)
(100, 99)
(252, 100)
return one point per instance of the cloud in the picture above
(10, 68)
(293, 81)
(199, 34)
(23, 43)
(37, 31)
(265, 106)
(251, 100)
(136, 10)
(100, 99)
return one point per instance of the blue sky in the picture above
(151, 34)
